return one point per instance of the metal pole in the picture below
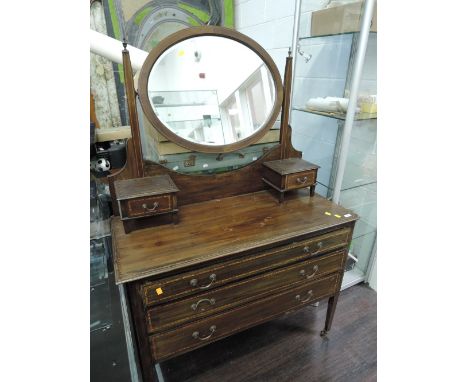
(297, 15)
(111, 49)
(355, 80)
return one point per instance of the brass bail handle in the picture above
(196, 334)
(309, 296)
(212, 278)
(302, 181)
(155, 206)
(210, 301)
(302, 272)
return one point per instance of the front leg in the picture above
(330, 313)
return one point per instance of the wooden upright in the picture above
(137, 164)
(286, 107)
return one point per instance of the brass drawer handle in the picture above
(302, 181)
(309, 293)
(155, 206)
(211, 301)
(196, 335)
(319, 247)
(194, 282)
(302, 272)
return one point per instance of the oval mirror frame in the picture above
(186, 34)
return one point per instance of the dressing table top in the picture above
(219, 228)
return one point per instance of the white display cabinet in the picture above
(332, 61)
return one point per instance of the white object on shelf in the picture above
(328, 104)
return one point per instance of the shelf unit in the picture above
(330, 64)
(336, 115)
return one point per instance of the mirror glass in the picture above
(211, 90)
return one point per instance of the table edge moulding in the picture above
(236, 258)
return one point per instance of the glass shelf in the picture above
(180, 104)
(183, 98)
(192, 122)
(305, 38)
(336, 115)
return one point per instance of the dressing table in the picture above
(237, 257)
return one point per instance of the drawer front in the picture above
(208, 278)
(197, 334)
(146, 206)
(164, 317)
(300, 179)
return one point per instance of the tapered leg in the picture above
(312, 190)
(281, 198)
(330, 313)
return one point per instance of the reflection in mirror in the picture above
(196, 163)
(211, 90)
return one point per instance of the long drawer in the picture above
(185, 284)
(172, 314)
(215, 327)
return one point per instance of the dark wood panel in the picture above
(150, 185)
(274, 178)
(211, 329)
(290, 348)
(200, 188)
(174, 314)
(290, 166)
(222, 228)
(182, 285)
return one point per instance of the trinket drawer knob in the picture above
(211, 301)
(196, 335)
(155, 206)
(309, 296)
(302, 181)
(194, 282)
(302, 272)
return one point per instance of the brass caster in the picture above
(323, 333)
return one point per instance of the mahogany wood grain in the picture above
(137, 163)
(167, 316)
(137, 317)
(126, 172)
(134, 208)
(285, 110)
(300, 179)
(216, 229)
(290, 166)
(241, 267)
(290, 348)
(150, 185)
(181, 340)
(200, 188)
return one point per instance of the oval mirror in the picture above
(210, 89)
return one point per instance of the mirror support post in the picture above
(286, 105)
(137, 167)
